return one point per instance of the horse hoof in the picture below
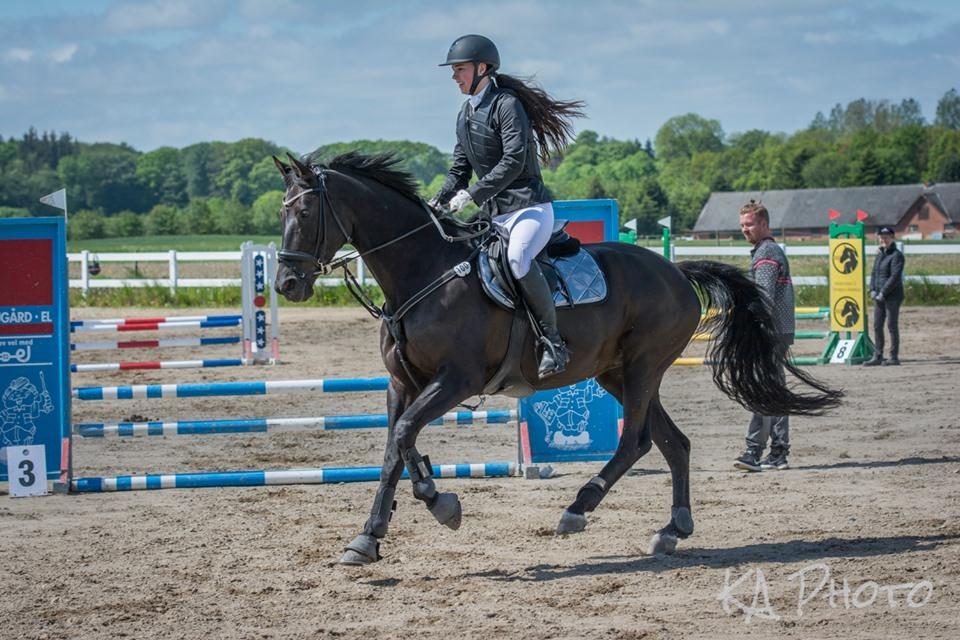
(447, 510)
(364, 549)
(353, 559)
(571, 523)
(662, 544)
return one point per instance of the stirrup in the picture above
(557, 353)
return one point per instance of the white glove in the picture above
(460, 201)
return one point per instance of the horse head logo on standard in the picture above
(444, 339)
(845, 258)
(846, 311)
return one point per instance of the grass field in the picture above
(165, 243)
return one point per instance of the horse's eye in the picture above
(303, 213)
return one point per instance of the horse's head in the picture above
(309, 241)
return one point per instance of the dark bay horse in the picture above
(456, 337)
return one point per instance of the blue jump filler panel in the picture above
(581, 422)
(34, 341)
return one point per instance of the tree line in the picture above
(216, 187)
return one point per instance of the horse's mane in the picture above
(381, 167)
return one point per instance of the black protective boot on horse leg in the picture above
(445, 507)
(539, 300)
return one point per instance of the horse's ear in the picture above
(284, 169)
(303, 170)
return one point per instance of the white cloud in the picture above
(954, 60)
(821, 38)
(163, 14)
(18, 55)
(62, 54)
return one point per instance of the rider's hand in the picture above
(460, 201)
(434, 202)
(873, 294)
(878, 297)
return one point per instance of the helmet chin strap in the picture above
(477, 77)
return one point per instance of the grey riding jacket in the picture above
(496, 142)
(771, 272)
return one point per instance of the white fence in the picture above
(174, 258)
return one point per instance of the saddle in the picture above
(572, 273)
(573, 276)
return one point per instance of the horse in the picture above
(442, 342)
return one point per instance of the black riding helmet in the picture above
(475, 49)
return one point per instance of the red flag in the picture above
(862, 215)
(833, 213)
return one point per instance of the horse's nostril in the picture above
(287, 284)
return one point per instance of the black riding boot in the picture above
(536, 293)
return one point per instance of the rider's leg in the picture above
(529, 233)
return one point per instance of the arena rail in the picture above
(263, 425)
(260, 478)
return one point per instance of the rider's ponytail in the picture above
(551, 119)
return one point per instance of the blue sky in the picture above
(302, 74)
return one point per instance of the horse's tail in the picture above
(746, 355)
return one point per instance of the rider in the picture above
(499, 129)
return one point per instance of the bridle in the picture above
(290, 258)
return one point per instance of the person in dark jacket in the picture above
(886, 289)
(504, 129)
(771, 272)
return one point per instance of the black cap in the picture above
(473, 48)
(885, 231)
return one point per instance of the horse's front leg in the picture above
(448, 388)
(365, 548)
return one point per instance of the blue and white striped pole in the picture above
(273, 478)
(259, 388)
(262, 425)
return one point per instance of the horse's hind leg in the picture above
(675, 447)
(365, 548)
(633, 386)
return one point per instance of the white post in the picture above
(173, 270)
(84, 273)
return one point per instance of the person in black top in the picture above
(505, 128)
(886, 289)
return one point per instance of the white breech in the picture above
(530, 230)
